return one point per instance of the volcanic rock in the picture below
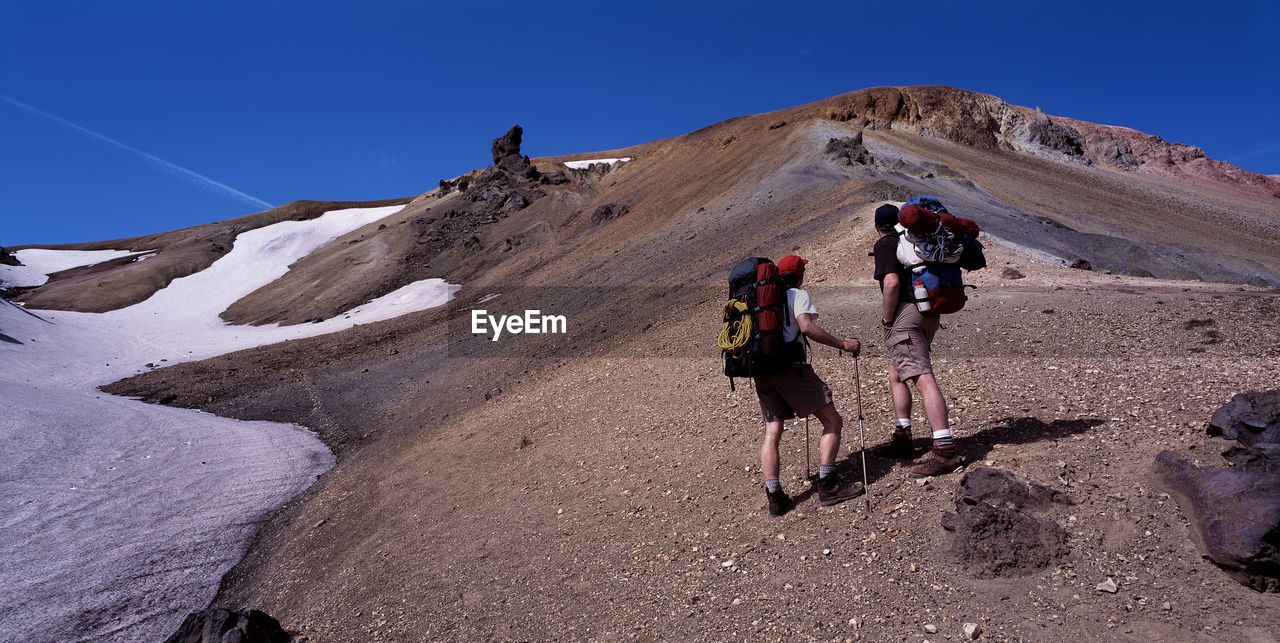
(850, 149)
(1234, 513)
(609, 212)
(507, 145)
(8, 259)
(996, 530)
(1011, 273)
(498, 189)
(1120, 154)
(554, 178)
(506, 154)
(1249, 418)
(1054, 136)
(226, 626)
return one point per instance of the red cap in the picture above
(792, 264)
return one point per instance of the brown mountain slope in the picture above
(600, 493)
(773, 168)
(123, 282)
(1156, 209)
(603, 489)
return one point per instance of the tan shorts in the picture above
(909, 340)
(795, 391)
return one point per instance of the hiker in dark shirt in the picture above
(796, 391)
(908, 336)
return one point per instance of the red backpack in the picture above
(751, 339)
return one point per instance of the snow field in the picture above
(582, 165)
(120, 517)
(39, 263)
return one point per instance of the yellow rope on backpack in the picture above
(736, 331)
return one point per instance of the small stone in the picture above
(788, 586)
(826, 552)
(728, 563)
(855, 622)
(781, 536)
(931, 628)
(1166, 606)
(1108, 586)
(972, 630)
(913, 567)
(737, 601)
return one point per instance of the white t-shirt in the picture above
(798, 303)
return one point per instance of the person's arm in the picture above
(892, 283)
(815, 332)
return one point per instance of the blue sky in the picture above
(176, 106)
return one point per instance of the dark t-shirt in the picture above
(886, 254)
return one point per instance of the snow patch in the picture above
(109, 501)
(39, 263)
(582, 165)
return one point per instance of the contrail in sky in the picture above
(182, 172)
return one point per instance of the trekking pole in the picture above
(862, 436)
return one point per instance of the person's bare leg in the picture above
(901, 394)
(900, 444)
(769, 449)
(944, 458)
(830, 490)
(935, 406)
(832, 423)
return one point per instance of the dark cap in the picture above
(887, 216)
(791, 264)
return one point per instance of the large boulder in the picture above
(850, 150)
(226, 626)
(507, 145)
(1233, 513)
(506, 154)
(1120, 154)
(1249, 418)
(609, 212)
(1003, 526)
(1055, 136)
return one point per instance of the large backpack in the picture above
(935, 246)
(751, 338)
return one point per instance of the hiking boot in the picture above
(832, 492)
(779, 503)
(935, 464)
(899, 447)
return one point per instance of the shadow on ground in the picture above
(973, 448)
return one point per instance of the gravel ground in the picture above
(595, 500)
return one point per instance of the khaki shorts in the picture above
(909, 340)
(795, 391)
